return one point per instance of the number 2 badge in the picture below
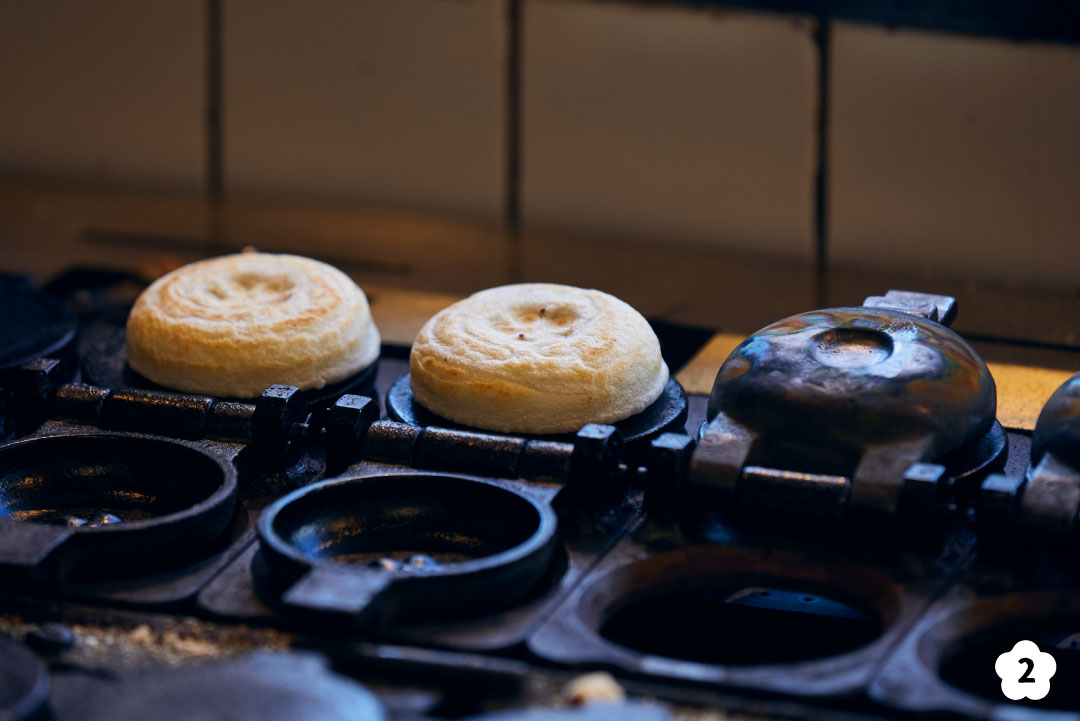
(1025, 671)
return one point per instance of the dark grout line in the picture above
(215, 184)
(512, 201)
(1016, 20)
(823, 42)
(215, 142)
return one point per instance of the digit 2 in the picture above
(1026, 678)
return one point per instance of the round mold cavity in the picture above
(946, 664)
(967, 664)
(447, 544)
(79, 480)
(131, 501)
(448, 519)
(740, 622)
(691, 606)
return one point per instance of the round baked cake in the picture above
(537, 358)
(231, 326)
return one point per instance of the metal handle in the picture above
(355, 595)
(1040, 510)
(938, 308)
(29, 552)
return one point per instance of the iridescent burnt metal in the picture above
(1058, 429)
(848, 409)
(853, 376)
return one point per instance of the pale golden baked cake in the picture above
(537, 358)
(232, 326)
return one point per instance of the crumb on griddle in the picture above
(598, 687)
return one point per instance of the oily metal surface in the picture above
(77, 481)
(110, 503)
(434, 544)
(855, 375)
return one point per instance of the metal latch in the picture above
(1037, 511)
(938, 308)
(889, 481)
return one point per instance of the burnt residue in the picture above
(126, 641)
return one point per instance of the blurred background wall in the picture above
(736, 131)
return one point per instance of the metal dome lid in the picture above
(1058, 429)
(858, 375)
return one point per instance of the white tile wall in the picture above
(110, 90)
(377, 101)
(670, 123)
(948, 154)
(1056, 137)
(955, 155)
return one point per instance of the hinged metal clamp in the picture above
(349, 429)
(715, 473)
(1037, 511)
(1040, 509)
